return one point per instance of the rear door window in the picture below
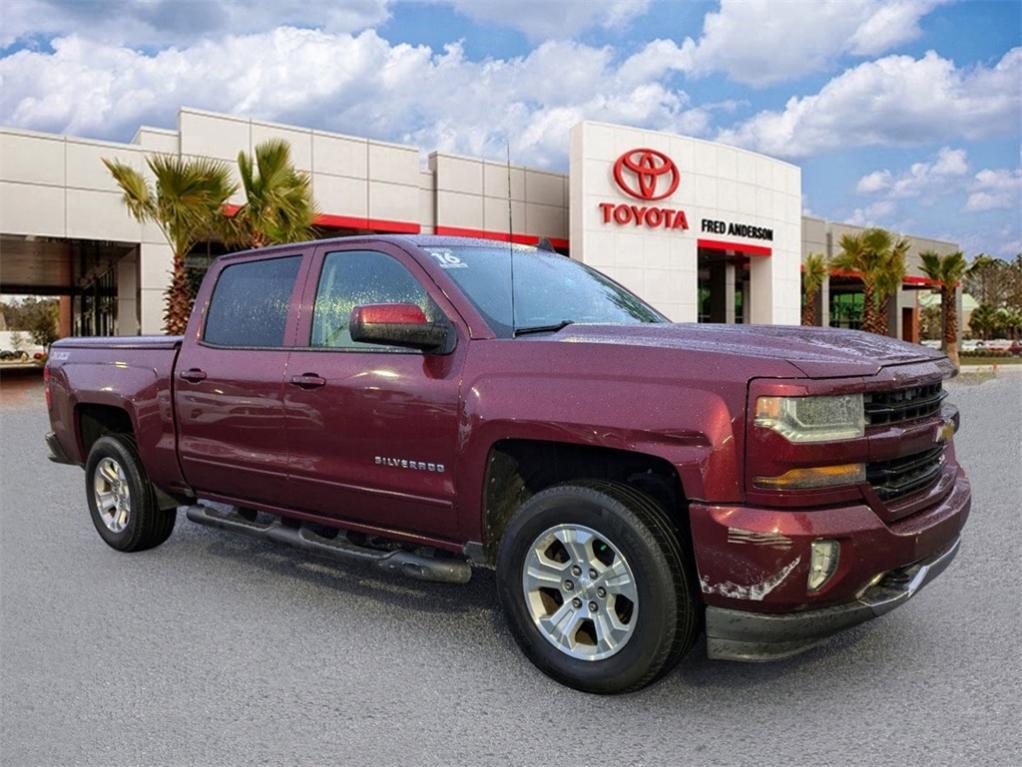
(250, 303)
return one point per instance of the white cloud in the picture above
(166, 22)
(876, 181)
(889, 24)
(546, 18)
(872, 214)
(759, 42)
(893, 101)
(922, 178)
(359, 84)
(949, 162)
(994, 189)
(1002, 241)
(181, 22)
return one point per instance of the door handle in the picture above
(308, 381)
(193, 376)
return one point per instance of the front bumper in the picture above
(747, 636)
(753, 565)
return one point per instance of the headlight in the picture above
(812, 419)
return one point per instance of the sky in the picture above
(905, 114)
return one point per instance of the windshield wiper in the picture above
(543, 328)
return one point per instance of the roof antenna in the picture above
(510, 235)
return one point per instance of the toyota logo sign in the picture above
(646, 174)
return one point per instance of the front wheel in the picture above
(122, 501)
(596, 587)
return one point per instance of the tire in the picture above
(122, 500)
(611, 523)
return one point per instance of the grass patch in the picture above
(990, 360)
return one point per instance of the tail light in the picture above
(46, 386)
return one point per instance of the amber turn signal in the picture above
(814, 477)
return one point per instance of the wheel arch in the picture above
(93, 421)
(517, 469)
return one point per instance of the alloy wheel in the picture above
(112, 493)
(580, 592)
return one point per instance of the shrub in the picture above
(987, 353)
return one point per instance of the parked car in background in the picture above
(994, 344)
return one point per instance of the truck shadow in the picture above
(356, 578)
(696, 671)
(478, 599)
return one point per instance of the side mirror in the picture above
(402, 325)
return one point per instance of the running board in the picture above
(423, 568)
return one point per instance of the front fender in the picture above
(693, 429)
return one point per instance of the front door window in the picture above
(356, 278)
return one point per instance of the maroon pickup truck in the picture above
(632, 481)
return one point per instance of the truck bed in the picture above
(119, 342)
(130, 374)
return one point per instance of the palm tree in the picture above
(185, 204)
(893, 266)
(813, 274)
(986, 280)
(854, 258)
(278, 203)
(879, 261)
(1013, 321)
(947, 271)
(983, 320)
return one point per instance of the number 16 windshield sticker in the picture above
(446, 259)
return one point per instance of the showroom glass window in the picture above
(353, 278)
(250, 303)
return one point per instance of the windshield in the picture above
(550, 289)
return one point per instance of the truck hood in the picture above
(817, 352)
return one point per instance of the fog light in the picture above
(823, 561)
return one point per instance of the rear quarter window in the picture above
(250, 303)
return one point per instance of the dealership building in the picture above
(703, 231)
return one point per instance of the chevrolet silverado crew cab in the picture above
(428, 404)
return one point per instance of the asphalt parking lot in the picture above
(217, 650)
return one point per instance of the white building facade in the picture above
(665, 215)
(703, 231)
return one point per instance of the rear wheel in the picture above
(595, 586)
(122, 501)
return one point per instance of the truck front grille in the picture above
(888, 407)
(908, 474)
